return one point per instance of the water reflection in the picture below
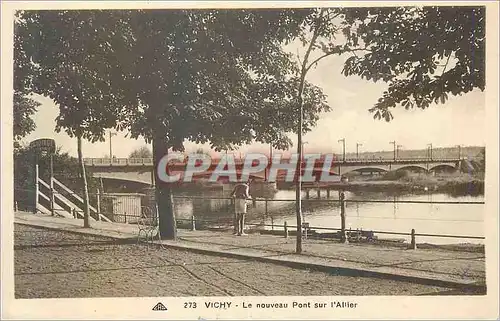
(453, 219)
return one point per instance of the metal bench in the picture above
(306, 230)
(148, 225)
(360, 236)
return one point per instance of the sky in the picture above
(461, 120)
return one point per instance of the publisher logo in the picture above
(160, 307)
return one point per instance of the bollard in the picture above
(413, 245)
(98, 205)
(343, 235)
(285, 227)
(52, 193)
(193, 223)
(37, 189)
(305, 229)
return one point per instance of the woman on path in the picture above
(241, 193)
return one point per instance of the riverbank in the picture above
(455, 184)
(459, 188)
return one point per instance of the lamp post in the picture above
(397, 150)
(343, 148)
(357, 150)
(430, 150)
(459, 151)
(111, 134)
(394, 143)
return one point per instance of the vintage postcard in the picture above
(249, 160)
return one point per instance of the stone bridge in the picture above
(140, 170)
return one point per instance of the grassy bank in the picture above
(451, 183)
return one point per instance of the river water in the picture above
(425, 218)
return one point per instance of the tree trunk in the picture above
(298, 188)
(86, 212)
(163, 194)
(300, 107)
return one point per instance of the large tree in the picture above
(218, 76)
(63, 56)
(318, 29)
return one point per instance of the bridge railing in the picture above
(149, 161)
(400, 160)
(139, 161)
(118, 161)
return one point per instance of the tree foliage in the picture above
(24, 106)
(24, 109)
(66, 56)
(218, 76)
(201, 151)
(141, 152)
(424, 53)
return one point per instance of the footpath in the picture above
(454, 269)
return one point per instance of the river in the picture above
(425, 218)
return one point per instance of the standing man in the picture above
(241, 193)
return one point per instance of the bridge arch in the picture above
(138, 179)
(360, 169)
(444, 167)
(412, 167)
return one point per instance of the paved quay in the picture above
(427, 266)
